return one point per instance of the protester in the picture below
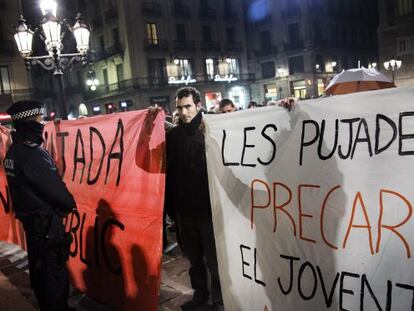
(226, 105)
(252, 104)
(287, 102)
(187, 192)
(40, 200)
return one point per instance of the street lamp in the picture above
(92, 81)
(52, 35)
(392, 65)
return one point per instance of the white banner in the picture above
(313, 209)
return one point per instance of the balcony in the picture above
(184, 44)
(295, 45)
(7, 47)
(207, 14)
(151, 9)
(210, 46)
(233, 46)
(231, 17)
(181, 11)
(266, 51)
(111, 13)
(155, 44)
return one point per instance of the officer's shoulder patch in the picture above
(30, 144)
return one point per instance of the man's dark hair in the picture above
(224, 102)
(252, 104)
(187, 91)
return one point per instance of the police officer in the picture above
(40, 200)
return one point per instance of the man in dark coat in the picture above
(40, 200)
(188, 194)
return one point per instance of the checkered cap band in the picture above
(27, 114)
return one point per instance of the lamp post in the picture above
(392, 65)
(52, 32)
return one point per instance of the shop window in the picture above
(270, 92)
(299, 89)
(321, 87)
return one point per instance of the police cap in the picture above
(25, 109)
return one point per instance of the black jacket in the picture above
(34, 183)
(187, 181)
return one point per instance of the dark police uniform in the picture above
(40, 200)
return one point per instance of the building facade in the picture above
(14, 79)
(396, 38)
(142, 51)
(296, 46)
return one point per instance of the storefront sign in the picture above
(184, 80)
(226, 78)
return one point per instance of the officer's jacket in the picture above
(34, 182)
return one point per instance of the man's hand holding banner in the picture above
(313, 209)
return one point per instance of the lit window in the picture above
(183, 67)
(405, 45)
(5, 87)
(405, 7)
(152, 33)
(210, 67)
(232, 66)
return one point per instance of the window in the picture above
(156, 70)
(405, 45)
(101, 43)
(230, 34)
(293, 30)
(268, 70)
(299, 89)
(296, 64)
(152, 33)
(115, 37)
(405, 7)
(317, 33)
(120, 72)
(180, 31)
(210, 68)
(105, 76)
(321, 87)
(233, 66)
(206, 31)
(184, 68)
(5, 87)
(270, 91)
(265, 41)
(319, 65)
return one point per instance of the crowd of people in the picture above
(31, 172)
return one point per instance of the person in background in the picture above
(252, 104)
(187, 192)
(226, 105)
(40, 201)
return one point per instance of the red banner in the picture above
(114, 167)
